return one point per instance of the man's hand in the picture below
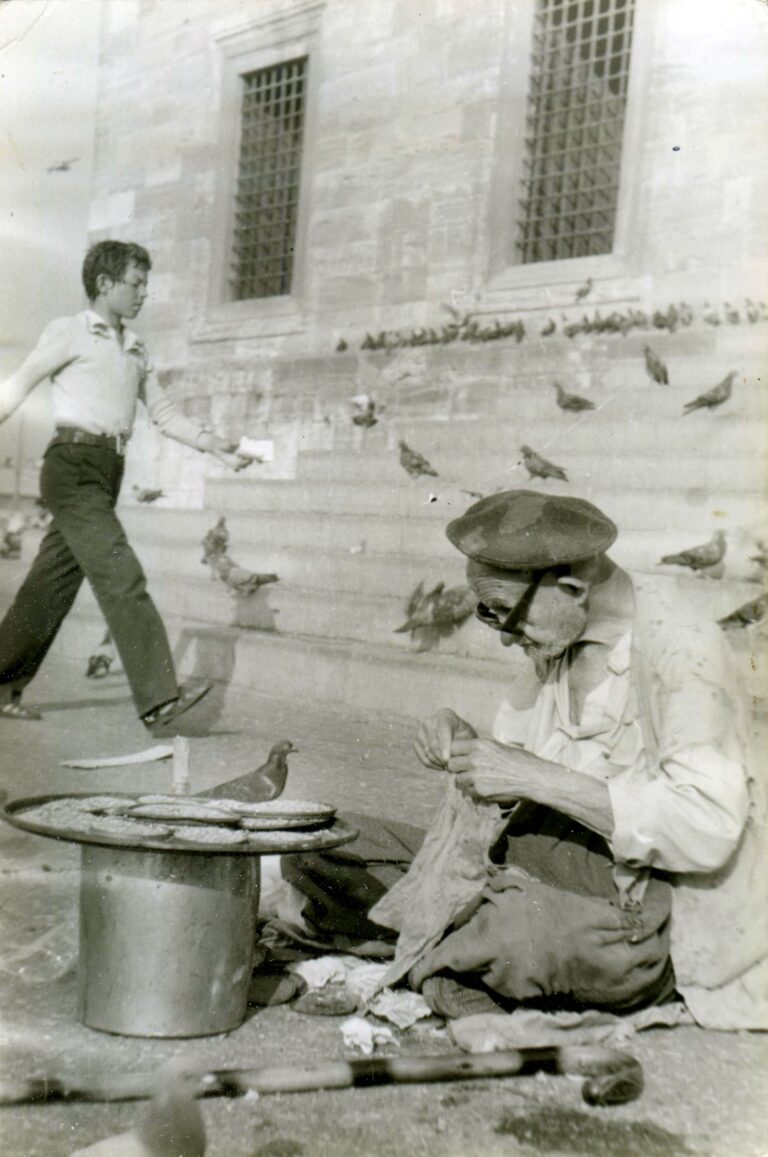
(436, 737)
(224, 450)
(491, 771)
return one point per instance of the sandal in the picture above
(169, 712)
(15, 710)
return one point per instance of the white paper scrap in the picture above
(159, 751)
(260, 448)
(358, 1033)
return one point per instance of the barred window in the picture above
(575, 121)
(267, 196)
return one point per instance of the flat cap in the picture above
(526, 530)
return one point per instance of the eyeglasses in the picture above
(508, 623)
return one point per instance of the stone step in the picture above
(369, 678)
(405, 502)
(372, 619)
(356, 552)
(584, 463)
(602, 432)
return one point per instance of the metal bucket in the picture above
(166, 941)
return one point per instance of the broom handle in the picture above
(613, 1077)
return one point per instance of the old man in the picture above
(597, 850)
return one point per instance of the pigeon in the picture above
(415, 463)
(549, 328)
(265, 783)
(63, 166)
(365, 411)
(10, 546)
(102, 659)
(143, 494)
(584, 290)
(657, 371)
(747, 615)
(170, 1126)
(438, 613)
(216, 539)
(237, 578)
(416, 601)
(712, 398)
(696, 558)
(341, 346)
(474, 494)
(572, 402)
(539, 467)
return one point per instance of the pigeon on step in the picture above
(712, 398)
(584, 290)
(549, 328)
(216, 539)
(170, 1126)
(265, 783)
(747, 615)
(699, 558)
(143, 494)
(657, 371)
(539, 467)
(102, 659)
(365, 411)
(573, 402)
(415, 463)
(237, 578)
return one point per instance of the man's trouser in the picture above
(559, 938)
(80, 484)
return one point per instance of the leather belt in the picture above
(116, 442)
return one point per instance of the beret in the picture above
(526, 530)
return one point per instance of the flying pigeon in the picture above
(549, 328)
(102, 659)
(170, 1126)
(417, 608)
(584, 290)
(216, 539)
(265, 783)
(474, 494)
(365, 411)
(63, 166)
(572, 402)
(414, 462)
(746, 615)
(714, 397)
(656, 368)
(143, 494)
(696, 558)
(539, 467)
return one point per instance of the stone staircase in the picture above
(350, 534)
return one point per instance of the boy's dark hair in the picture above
(112, 258)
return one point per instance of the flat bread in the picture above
(288, 841)
(109, 804)
(203, 834)
(298, 808)
(125, 828)
(283, 823)
(184, 811)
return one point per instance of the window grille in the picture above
(575, 121)
(267, 196)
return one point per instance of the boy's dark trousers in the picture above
(80, 484)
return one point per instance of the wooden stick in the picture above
(612, 1077)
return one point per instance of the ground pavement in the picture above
(705, 1091)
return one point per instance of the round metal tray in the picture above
(334, 835)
